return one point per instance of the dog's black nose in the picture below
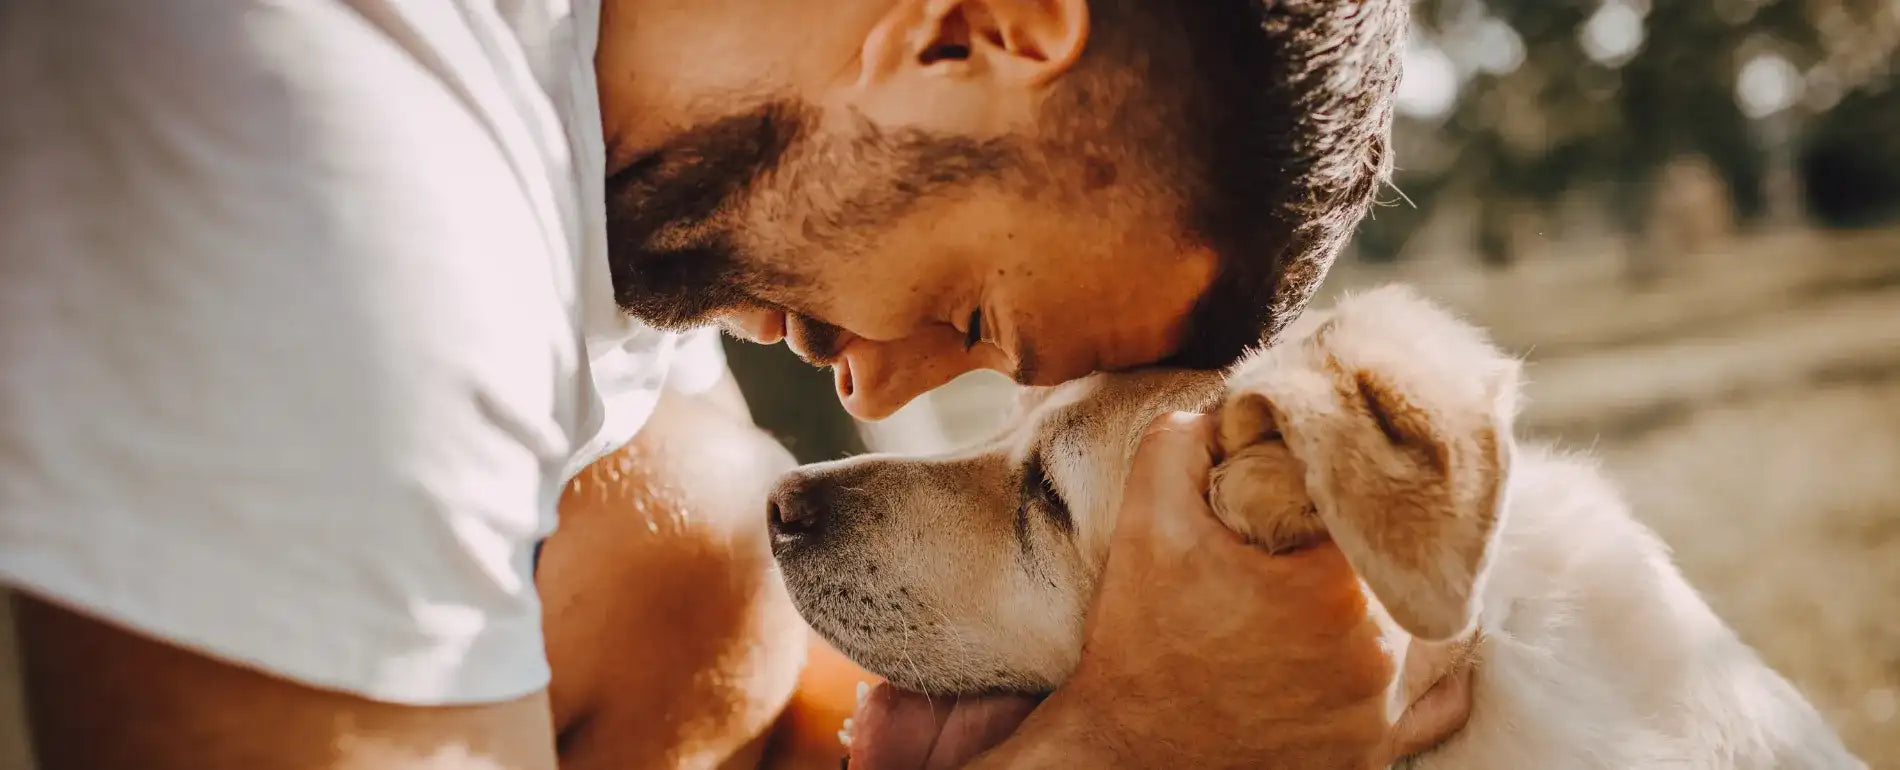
(796, 508)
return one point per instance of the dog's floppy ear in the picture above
(1400, 416)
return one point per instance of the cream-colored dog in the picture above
(1384, 424)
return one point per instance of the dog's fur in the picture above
(1384, 424)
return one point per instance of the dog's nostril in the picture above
(790, 513)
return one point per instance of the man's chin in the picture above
(896, 728)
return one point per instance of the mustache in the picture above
(674, 263)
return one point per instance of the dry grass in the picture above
(1785, 512)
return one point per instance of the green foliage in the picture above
(1561, 118)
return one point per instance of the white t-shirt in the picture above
(305, 319)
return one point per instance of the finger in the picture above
(1176, 446)
(1166, 495)
(1433, 718)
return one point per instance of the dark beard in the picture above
(673, 266)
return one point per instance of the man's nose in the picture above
(875, 379)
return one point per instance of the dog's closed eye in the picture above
(1040, 492)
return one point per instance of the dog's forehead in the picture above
(1072, 410)
(1103, 410)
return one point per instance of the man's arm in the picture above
(670, 634)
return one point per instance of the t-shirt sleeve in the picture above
(286, 362)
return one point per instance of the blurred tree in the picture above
(1850, 163)
(1551, 96)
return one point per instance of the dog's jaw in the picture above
(868, 611)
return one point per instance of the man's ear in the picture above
(1022, 42)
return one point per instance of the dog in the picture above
(1384, 424)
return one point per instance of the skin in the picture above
(1042, 245)
(677, 507)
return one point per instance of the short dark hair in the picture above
(1268, 121)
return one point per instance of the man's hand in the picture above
(1206, 652)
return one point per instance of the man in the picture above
(309, 312)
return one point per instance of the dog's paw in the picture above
(1259, 491)
(1396, 417)
(1259, 488)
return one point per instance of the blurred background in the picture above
(1686, 213)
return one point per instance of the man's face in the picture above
(876, 182)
